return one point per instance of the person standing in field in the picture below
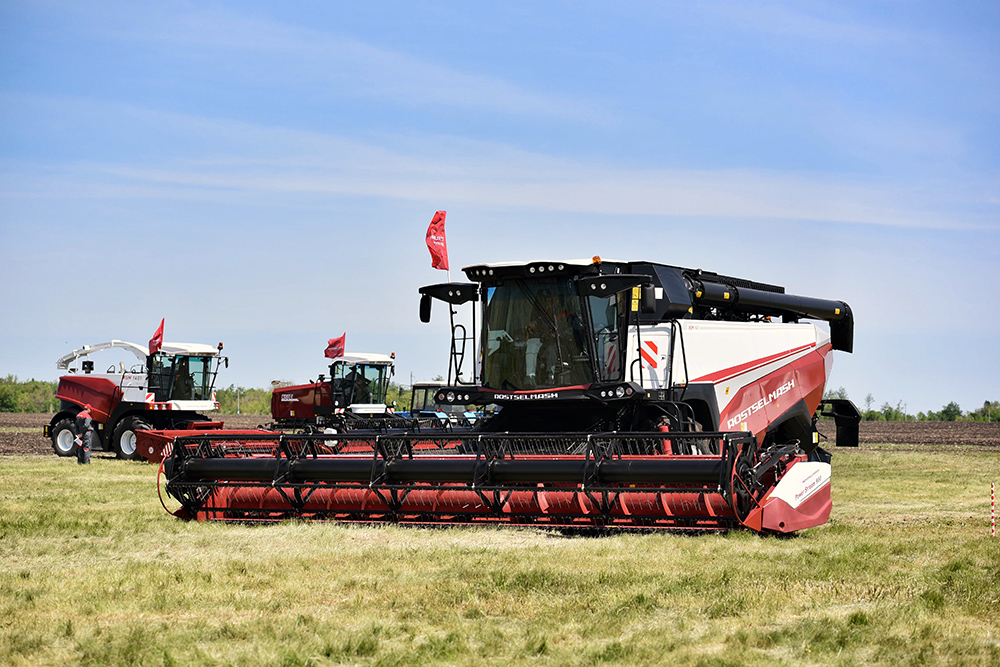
(84, 435)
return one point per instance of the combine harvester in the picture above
(631, 394)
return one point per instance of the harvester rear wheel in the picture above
(124, 440)
(63, 437)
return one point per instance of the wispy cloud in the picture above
(237, 160)
(332, 61)
(814, 21)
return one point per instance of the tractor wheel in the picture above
(124, 441)
(63, 436)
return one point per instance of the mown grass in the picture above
(93, 572)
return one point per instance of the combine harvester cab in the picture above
(169, 389)
(631, 394)
(353, 398)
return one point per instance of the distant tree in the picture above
(869, 400)
(240, 400)
(990, 412)
(27, 396)
(951, 412)
(839, 393)
(399, 394)
(8, 394)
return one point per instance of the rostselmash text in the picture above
(759, 405)
(525, 397)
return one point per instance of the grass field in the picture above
(94, 572)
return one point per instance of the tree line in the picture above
(40, 396)
(952, 412)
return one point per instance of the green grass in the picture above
(94, 572)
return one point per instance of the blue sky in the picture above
(263, 173)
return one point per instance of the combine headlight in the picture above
(620, 392)
(451, 397)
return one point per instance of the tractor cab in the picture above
(425, 408)
(360, 382)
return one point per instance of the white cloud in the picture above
(813, 21)
(327, 60)
(239, 159)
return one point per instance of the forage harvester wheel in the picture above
(124, 439)
(63, 436)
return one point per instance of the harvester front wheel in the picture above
(124, 440)
(63, 437)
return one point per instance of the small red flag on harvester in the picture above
(335, 346)
(437, 243)
(156, 342)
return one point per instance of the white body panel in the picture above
(801, 482)
(370, 358)
(368, 408)
(140, 351)
(730, 355)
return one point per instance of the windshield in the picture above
(360, 383)
(423, 399)
(536, 336)
(181, 378)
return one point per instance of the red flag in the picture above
(437, 243)
(156, 342)
(335, 346)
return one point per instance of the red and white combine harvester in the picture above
(168, 389)
(631, 394)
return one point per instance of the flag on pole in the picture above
(335, 347)
(156, 342)
(437, 243)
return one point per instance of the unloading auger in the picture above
(631, 395)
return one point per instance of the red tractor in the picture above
(166, 390)
(353, 397)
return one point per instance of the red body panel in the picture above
(101, 393)
(300, 401)
(154, 446)
(758, 405)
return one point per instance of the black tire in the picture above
(123, 440)
(63, 436)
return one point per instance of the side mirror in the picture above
(648, 305)
(227, 361)
(425, 308)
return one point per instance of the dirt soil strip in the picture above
(21, 434)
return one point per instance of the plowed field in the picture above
(21, 434)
